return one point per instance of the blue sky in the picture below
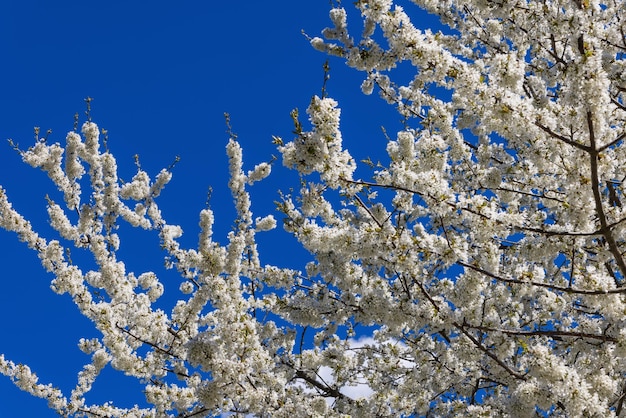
(161, 75)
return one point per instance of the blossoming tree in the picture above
(486, 251)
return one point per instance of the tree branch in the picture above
(597, 197)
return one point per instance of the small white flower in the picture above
(266, 223)
(260, 172)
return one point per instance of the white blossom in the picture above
(265, 224)
(260, 172)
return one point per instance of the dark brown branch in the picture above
(533, 195)
(554, 53)
(620, 401)
(549, 233)
(548, 333)
(369, 212)
(477, 343)
(325, 389)
(488, 353)
(193, 414)
(562, 138)
(597, 197)
(95, 414)
(156, 347)
(563, 289)
(610, 144)
(614, 199)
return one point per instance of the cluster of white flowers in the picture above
(499, 261)
(121, 304)
(321, 150)
(491, 271)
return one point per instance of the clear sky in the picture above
(161, 75)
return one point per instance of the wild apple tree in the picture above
(486, 249)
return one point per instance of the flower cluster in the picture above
(321, 150)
